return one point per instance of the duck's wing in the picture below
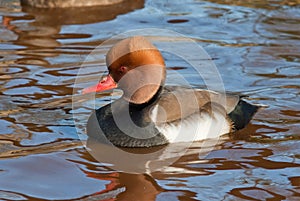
(178, 103)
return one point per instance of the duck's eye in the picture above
(122, 69)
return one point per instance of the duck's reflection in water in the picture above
(147, 160)
(131, 177)
(133, 168)
(126, 186)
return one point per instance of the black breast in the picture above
(124, 125)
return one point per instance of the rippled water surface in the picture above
(255, 46)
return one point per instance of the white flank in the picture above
(193, 128)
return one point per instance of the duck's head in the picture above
(137, 67)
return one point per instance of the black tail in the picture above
(242, 114)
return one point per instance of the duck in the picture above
(151, 114)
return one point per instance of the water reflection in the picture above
(148, 160)
(265, 4)
(125, 186)
(44, 30)
(66, 3)
(82, 15)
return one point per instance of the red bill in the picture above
(106, 83)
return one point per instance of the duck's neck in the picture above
(145, 104)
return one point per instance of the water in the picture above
(256, 48)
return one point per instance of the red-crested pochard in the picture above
(151, 114)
